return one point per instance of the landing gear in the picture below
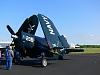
(17, 58)
(61, 54)
(43, 60)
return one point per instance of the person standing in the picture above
(9, 57)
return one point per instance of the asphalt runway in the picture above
(73, 64)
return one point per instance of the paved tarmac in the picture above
(74, 64)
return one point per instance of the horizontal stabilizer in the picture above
(75, 50)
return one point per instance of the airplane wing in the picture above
(64, 41)
(75, 50)
(29, 25)
(50, 32)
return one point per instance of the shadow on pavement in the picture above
(32, 62)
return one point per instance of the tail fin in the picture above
(50, 32)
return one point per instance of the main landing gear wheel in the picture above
(43, 60)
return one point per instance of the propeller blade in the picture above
(10, 30)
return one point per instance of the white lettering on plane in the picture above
(48, 25)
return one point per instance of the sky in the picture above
(78, 20)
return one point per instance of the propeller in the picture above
(10, 30)
(13, 35)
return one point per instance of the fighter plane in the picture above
(28, 44)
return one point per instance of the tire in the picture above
(44, 62)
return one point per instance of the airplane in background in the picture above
(28, 44)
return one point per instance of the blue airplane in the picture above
(28, 44)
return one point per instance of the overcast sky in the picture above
(79, 20)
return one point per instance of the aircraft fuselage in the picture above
(32, 46)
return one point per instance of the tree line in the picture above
(89, 46)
